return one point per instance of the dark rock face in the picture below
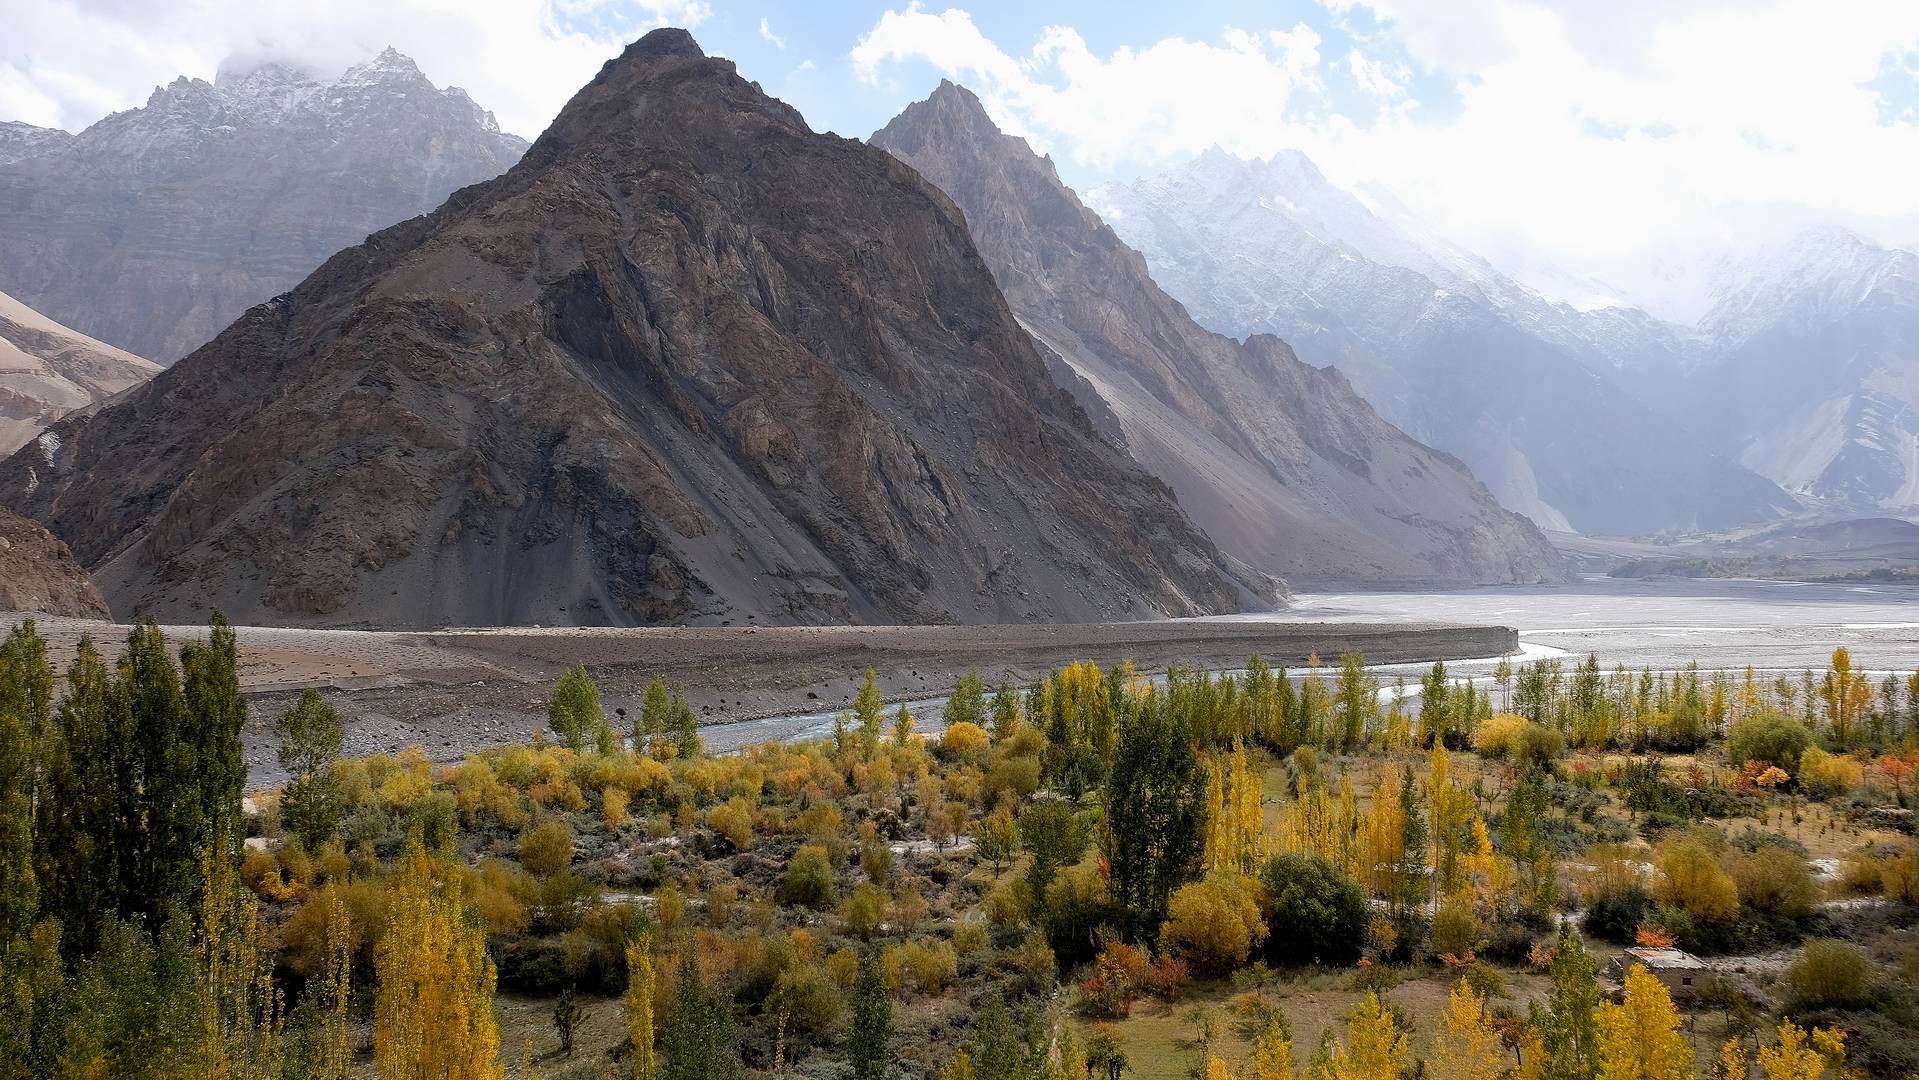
(1282, 463)
(686, 362)
(39, 574)
(156, 227)
(47, 371)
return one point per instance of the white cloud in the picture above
(66, 63)
(1382, 79)
(767, 34)
(1169, 99)
(1608, 140)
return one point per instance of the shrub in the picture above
(1313, 912)
(864, 911)
(1829, 973)
(1454, 932)
(1615, 916)
(810, 1001)
(1773, 739)
(1777, 881)
(1829, 774)
(809, 879)
(546, 849)
(1214, 923)
(734, 821)
(929, 967)
(1899, 877)
(963, 739)
(1690, 878)
(1494, 737)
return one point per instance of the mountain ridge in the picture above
(638, 378)
(1283, 464)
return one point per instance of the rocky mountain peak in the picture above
(686, 362)
(1286, 468)
(156, 226)
(19, 141)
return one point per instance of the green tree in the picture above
(26, 687)
(161, 811)
(75, 830)
(686, 726)
(1313, 912)
(968, 703)
(1568, 1032)
(1409, 876)
(311, 735)
(1356, 699)
(1052, 833)
(869, 711)
(1155, 802)
(655, 720)
(574, 714)
(872, 1022)
(210, 692)
(699, 1034)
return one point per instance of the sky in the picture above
(1591, 147)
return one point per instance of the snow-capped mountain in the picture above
(1529, 392)
(19, 140)
(1813, 377)
(157, 226)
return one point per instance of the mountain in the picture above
(686, 362)
(39, 574)
(19, 141)
(1283, 464)
(156, 227)
(1447, 348)
(1813, 375)
(48, 371)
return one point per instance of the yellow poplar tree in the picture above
(960, 1068)
(1799, 1055)
(433, 1018)
(1466, 1047)
(1731, 1063)
(1385, 836)
(639, 1004)
(240, 1014)
(1273, 1053)
(1375, 1046)
(1639, 1039)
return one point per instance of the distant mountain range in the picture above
(48, 371)
(156, 227)
(686, 362)
(1282, 463)
(1443, 345)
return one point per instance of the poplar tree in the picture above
(699, 1034)
(575, 714)
(216, 711)
(1155, 818)
(872, 1022)
(639, 1007)
(433, 1016)
(655, 719)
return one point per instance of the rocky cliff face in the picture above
(39, 574)
(686, 362)
(1445, 347)
(1282, 463)
(156, 227)
(48, 371)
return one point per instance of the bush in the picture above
(1826, 774)
(1829, 973)
(1615, 917)
(809, 879)
(1214, 923)
(1691, 878)
(546, 849)
(1776, 881)
(1454, 932)
(1313, 912)
(1773, 739)
(864, 911)
(1900, 876)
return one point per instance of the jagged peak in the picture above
(242, 70)
(666, 42)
